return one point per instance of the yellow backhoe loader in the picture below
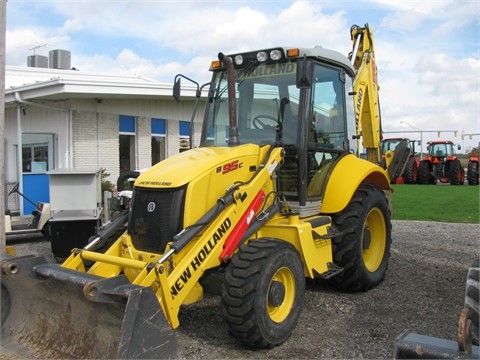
(275, 193)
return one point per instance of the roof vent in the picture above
(38, 61)
(60, 59)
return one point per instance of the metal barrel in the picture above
(51, 312)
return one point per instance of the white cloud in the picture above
(20, 43)
(427, 51)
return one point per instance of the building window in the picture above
(158, 140)
(127, 130)
(37, 152)
(184, 141)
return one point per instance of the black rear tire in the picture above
(364, 248)
(472, 289)
(263, 291)
(424, 177)
(472, 173)
(456, 173)
(410, 172)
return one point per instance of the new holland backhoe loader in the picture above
(274, 194)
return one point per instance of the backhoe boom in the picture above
(365, 90)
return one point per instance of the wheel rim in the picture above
(281, 295)
(374, 240)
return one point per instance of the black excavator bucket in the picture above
(51, 312)
(399, 161)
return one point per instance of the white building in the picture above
(73, 119)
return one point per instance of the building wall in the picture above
(34, 120)
(143, 144)
(95, 141)
(96, 136)
(87, 132)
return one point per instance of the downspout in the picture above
(19, 152)
(98, 138)
(69, 154)
(137, 145)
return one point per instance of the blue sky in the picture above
(428, 52)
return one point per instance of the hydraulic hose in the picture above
(124, 176)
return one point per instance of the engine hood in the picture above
(182, 168)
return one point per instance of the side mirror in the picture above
(459, 147)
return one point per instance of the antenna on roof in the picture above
(37, 47)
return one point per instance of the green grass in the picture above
(444, 203)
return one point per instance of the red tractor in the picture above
(409, 175)
(472, 169)
(441, 164)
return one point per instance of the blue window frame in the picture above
(184, 128)
(126, 124)
(158, 126)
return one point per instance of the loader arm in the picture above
(204, 252)
(365, 91)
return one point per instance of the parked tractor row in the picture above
(439, 165)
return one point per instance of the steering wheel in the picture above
(14, 190)
(259, 124)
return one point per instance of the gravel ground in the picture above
(422, 292)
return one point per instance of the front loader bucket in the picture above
(51, 312)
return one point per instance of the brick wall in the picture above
(95, 142)
(143, 143)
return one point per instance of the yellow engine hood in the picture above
(184, 167)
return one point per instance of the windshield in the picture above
(442, 149)
(267, 106)
(270, 109)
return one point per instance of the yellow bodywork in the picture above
(176, 280)
(236, 176)
(192, 212)
(365, 90)
(208, 173)
(346, 177)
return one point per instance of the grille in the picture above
(156, 216)
(439, 171)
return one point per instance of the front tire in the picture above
(424, 176)
(364, 248)
(263, 291)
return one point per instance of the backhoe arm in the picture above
(365, 86)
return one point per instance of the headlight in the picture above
(238, 60)
(262, 56)
(275, 54)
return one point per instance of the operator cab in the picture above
(291, 98)
(441, 149)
